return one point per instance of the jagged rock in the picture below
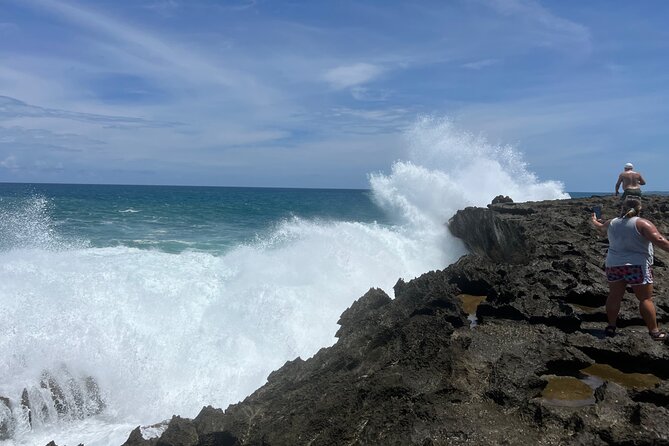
(93, 403)
(25, 405)
(72, 397)
(211, 429)
(501, 240)
(60, 403)
(410, 370)
(363, 313)
(658, 396)
(179, 432)
(540, 260)
(628, 353)
(136, 439)
(6, 425)
(57, 395)
(502, 199)
(53, 443)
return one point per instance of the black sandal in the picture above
(610, 331)
(658, 335)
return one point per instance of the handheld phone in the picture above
(597, 210)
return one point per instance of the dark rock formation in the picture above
(25, 405)
(71, 397)
(6, 428)
(411, 371)
(502, 199)
(53, 443)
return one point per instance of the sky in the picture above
(320, 93)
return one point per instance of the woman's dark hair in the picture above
(631, 208)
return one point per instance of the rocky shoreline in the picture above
(535, 369)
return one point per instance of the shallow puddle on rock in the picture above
(585, 308)
(568, 391)
(469, 304)
(628, 380)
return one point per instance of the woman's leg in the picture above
(646, 307)
(616, 293)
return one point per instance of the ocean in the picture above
(134, 303)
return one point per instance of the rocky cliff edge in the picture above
(531, 367)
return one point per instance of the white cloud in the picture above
(166, 56)
(369, 95)
(10, 163)
(551, 30)
(479, 64)
(351, 75)
(17, 136)
(165, 8)
(11, 108)
(242, 5)
(378, 115)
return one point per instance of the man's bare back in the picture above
(630, 180)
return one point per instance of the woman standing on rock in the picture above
(628, 262)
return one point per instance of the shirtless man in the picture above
(631, 181)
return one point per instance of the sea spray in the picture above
(447, 169)
(165, 333)
(26, 223)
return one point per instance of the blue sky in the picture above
(318, 93)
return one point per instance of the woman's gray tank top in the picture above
(626, 245)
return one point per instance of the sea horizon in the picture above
(579, 194)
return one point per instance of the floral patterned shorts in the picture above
(631, 274)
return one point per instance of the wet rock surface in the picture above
(58, 395)
(411, 371)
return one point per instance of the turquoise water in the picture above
(173, 219)
(176, 218)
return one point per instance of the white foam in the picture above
(166, 333)
(447, 169)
